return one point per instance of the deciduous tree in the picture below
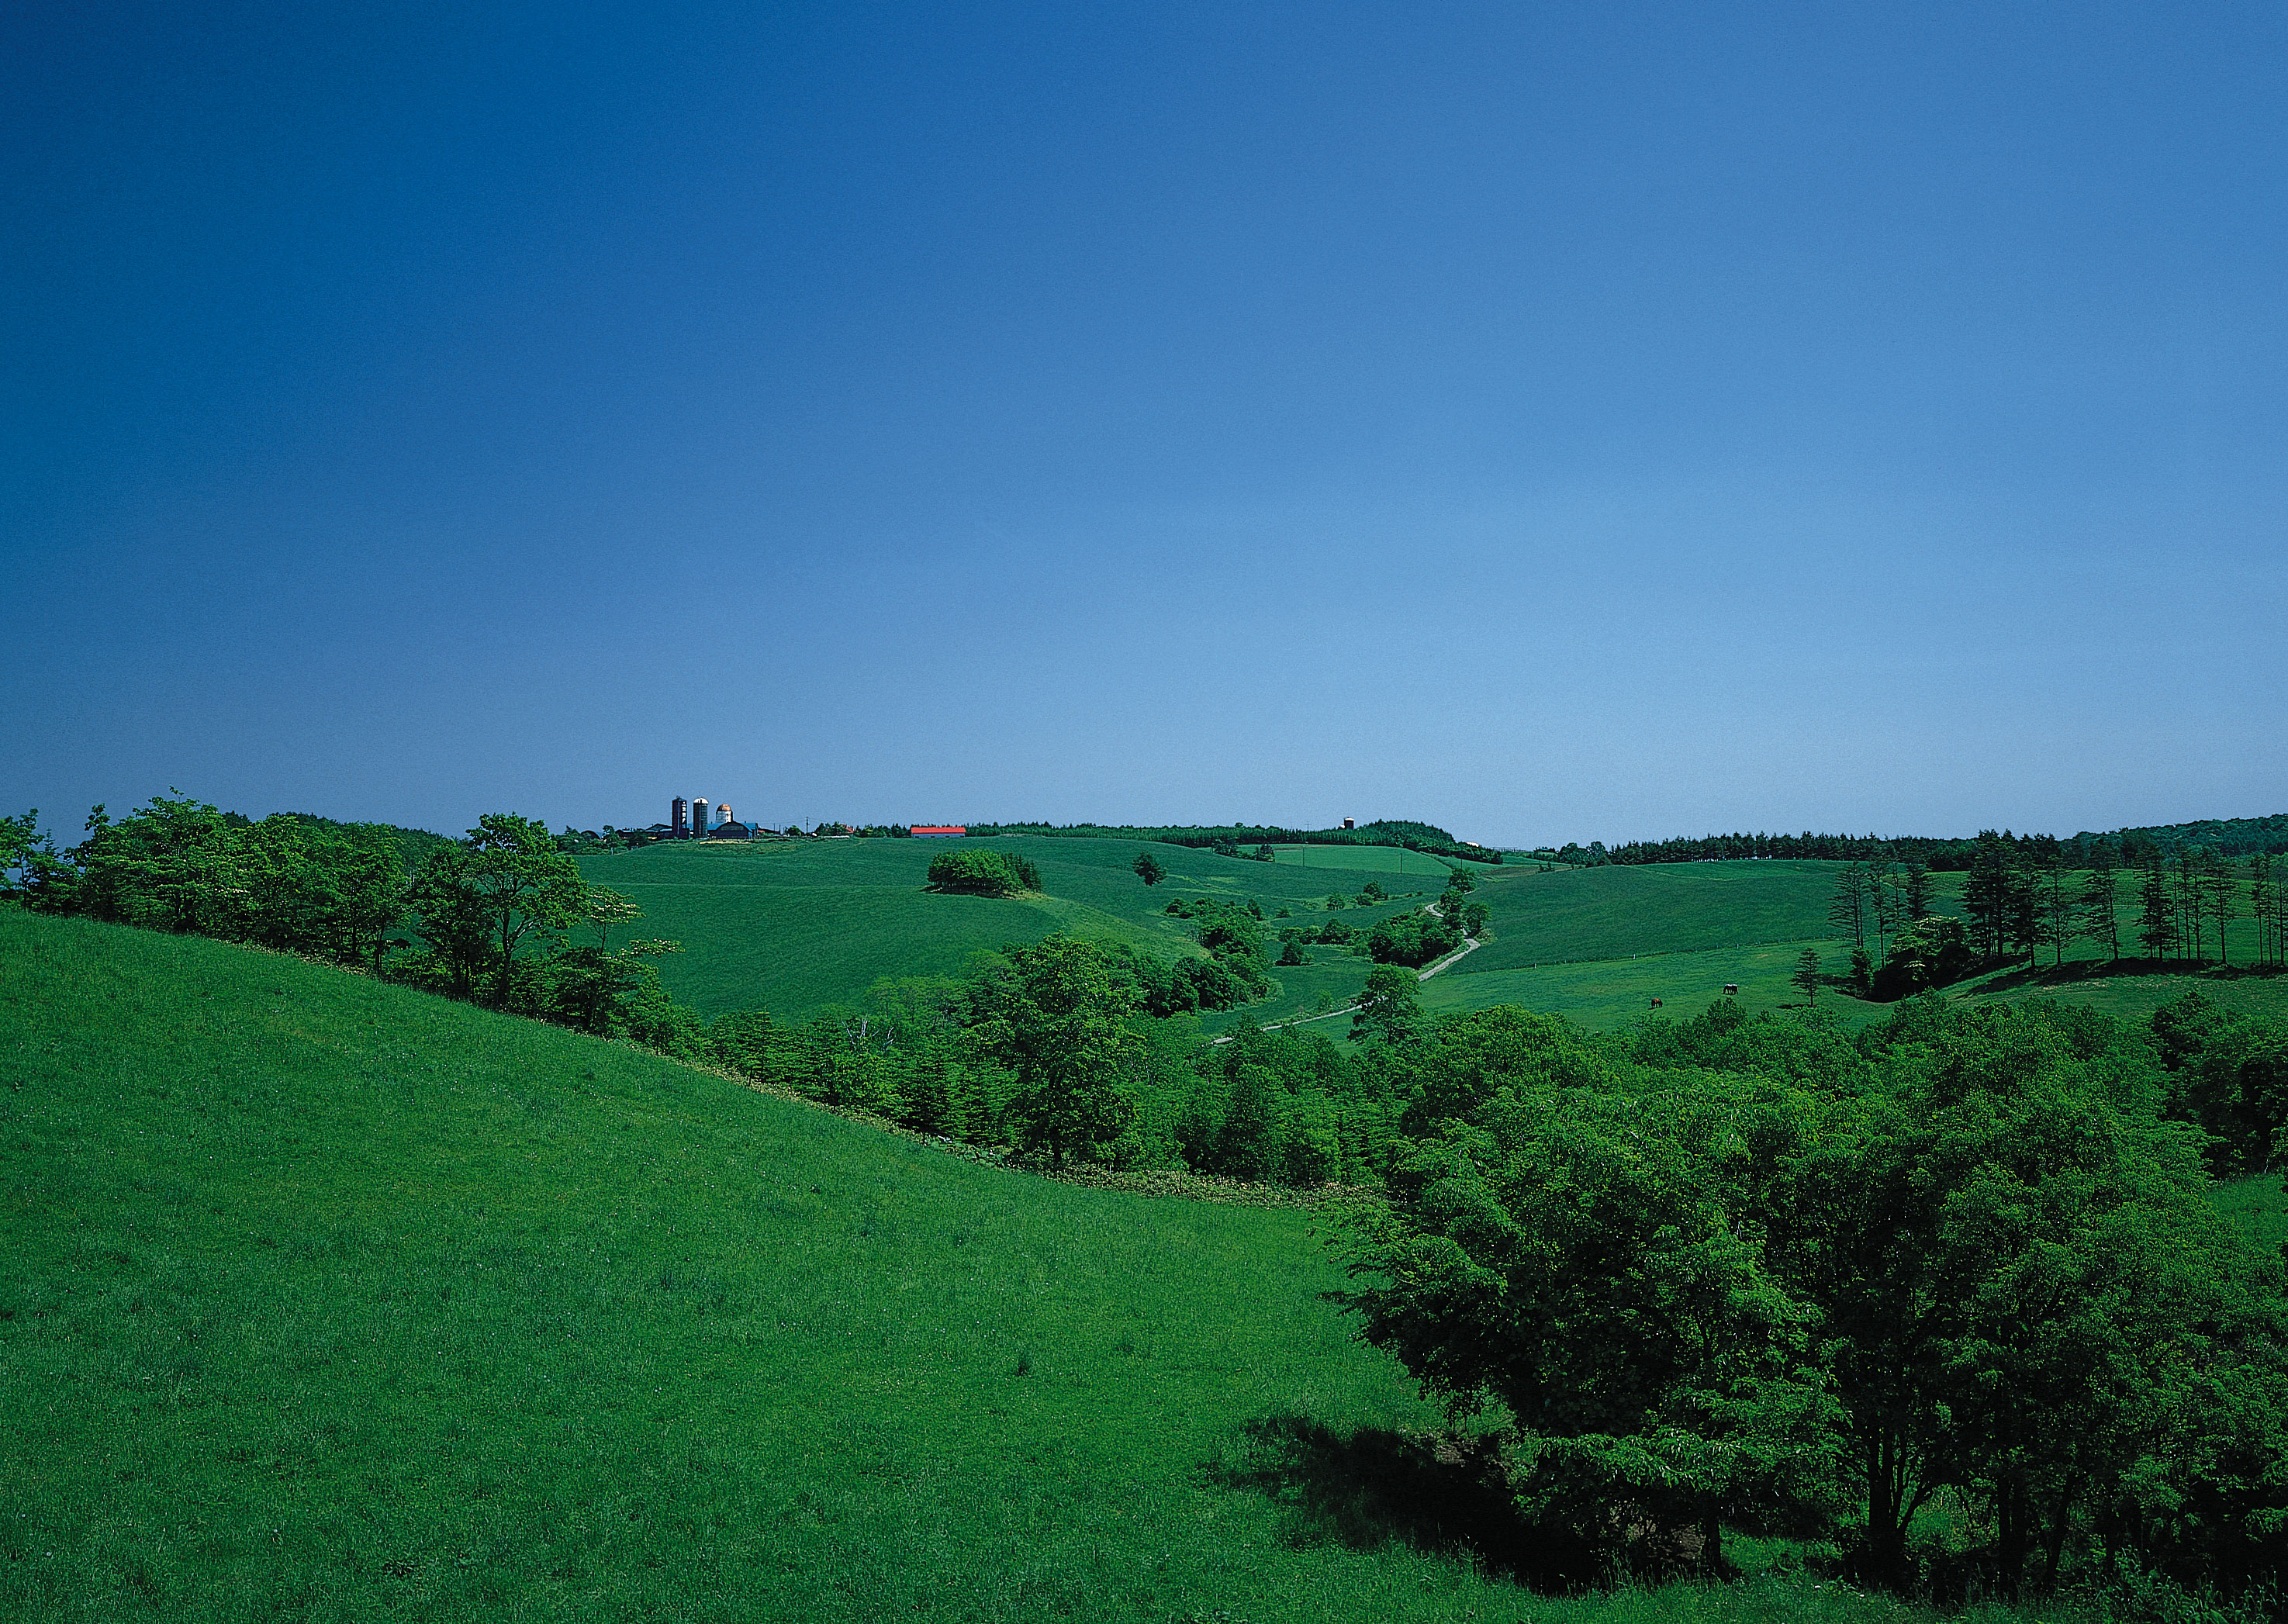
(1389, 1006)
(1058, 1019)
(483, 899)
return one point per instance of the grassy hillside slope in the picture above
(327, 1299)
(1613, 913)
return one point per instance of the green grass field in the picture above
(791, 927)
(794, 927)
(1598, 945)
(1374, 862)
(330, 1300)
(2258, 1207)
(1614, 912)
(1605, 994)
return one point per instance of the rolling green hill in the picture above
(797, 926)
(791, 927)
(1614, 912)
(328, 1299)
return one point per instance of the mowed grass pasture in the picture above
(327, 1299)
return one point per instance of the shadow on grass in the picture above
(1374, 1487)
(2076, 971)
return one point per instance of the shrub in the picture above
(982, 874)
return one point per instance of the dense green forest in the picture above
(1948, 1298)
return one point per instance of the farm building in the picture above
(941, 831)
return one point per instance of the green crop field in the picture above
(328, 1299)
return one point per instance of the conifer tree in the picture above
(1846, 909)
(1882, 905)
(2190, 917)
(2023, 912)
(2221, 895)
(2099, 888)
(1806, 976)
(1986, 893)
(2157, 918)
(1915, 888)
(2055, 907)
(2261, 904)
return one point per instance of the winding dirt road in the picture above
(1470, 944)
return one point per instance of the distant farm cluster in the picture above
(698, 817)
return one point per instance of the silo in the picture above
(699, 815)
(722, 814)
(679, 818)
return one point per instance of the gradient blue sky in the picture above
(1555, 423)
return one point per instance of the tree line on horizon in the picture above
(2225, 838)
(1257, 839)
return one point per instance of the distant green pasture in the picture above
(1374, 862)
(1620, 912)
(793, 926)
(1606, 994)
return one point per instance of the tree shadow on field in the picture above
(1373, 1487)
(2076, 971)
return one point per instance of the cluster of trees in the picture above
(1332, 933)
(2184, 904)
(983, 874)
(1052, 1050)
(500, 918)
(2034, 895)
(2228, 1074)
(290, 882)
(1233, 934)
(1230, 838)
(1412, 940)
(2130, 848)
(1735, 1276)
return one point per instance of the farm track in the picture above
(1470, 944)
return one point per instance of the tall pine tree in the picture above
(1986, 892)
(2099, 888)
(2156, 914)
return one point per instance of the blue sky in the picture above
(1584, 422)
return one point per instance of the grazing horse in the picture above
(1655, 1004)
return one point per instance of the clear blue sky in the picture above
(1555, 423)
